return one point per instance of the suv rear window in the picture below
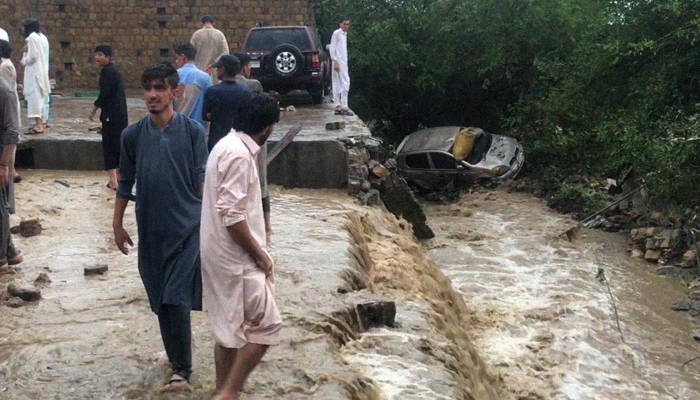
(268, 39)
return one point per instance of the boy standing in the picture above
(114, 118)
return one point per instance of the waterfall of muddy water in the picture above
(545, 322)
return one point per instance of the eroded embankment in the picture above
(388, 261)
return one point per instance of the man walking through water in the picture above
(165, 154)
(340, 76)
(236, 267)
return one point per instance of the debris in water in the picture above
(99, 269)
(30, 227)
(62, 182)
(26, 294)
(42, 279)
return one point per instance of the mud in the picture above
(500, 305)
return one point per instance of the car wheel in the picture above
(399, 200)
(317, 93)
(285, 61)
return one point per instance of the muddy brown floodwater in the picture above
(545, 323)
(523, 317)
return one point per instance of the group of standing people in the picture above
(36, 89)
(202, 207)
(207, 242)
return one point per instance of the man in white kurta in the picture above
(45, 51)
(36, 77)
(210, 44)
(237, 277)
(340, 76)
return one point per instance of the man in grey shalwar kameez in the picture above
(9, 135)
(165, 155)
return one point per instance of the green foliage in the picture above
(586, 86)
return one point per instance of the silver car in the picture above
(426, 158)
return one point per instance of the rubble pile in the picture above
(364, 176)
(654, 244)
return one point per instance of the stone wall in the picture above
(141, 32)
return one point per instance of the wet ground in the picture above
(524, 316)
(69, 119)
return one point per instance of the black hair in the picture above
(342, 18)
(186, 49)
(244, 58)
(5, 49)
(256, 112)
(208, 18)
(104, 49)
(31, 25)
(231, 69)
(163, 71)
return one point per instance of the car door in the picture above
(416, 168)
(444, 167)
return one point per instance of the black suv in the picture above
(286, 58)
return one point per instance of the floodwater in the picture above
(94, 337)
(535, 322)
(549, 327)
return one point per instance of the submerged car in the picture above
(433, 158)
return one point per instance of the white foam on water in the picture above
(546, 287)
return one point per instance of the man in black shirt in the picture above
(114, 118)
(221, 100)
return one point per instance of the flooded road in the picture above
(94, 337)
(523, 318)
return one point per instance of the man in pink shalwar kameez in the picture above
(236, 267)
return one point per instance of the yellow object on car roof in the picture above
(464, 142)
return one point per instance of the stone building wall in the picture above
(141, 32)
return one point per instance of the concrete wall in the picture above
(310, 164)
(302, 164)
(141, 32)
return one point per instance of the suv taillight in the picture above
(315, 63)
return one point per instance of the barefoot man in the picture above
(236, 267)
(164, 154)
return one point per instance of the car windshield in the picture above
(268, 39)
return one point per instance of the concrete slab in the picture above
(316, 159)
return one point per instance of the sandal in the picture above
(33, 131)
(177, 384)
(15, 260)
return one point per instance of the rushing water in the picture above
(542, 321)
(551, 327)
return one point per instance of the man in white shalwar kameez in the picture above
(36, 77)
(210, 44)
(236, 267)
(340, 77)
(47, 98)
